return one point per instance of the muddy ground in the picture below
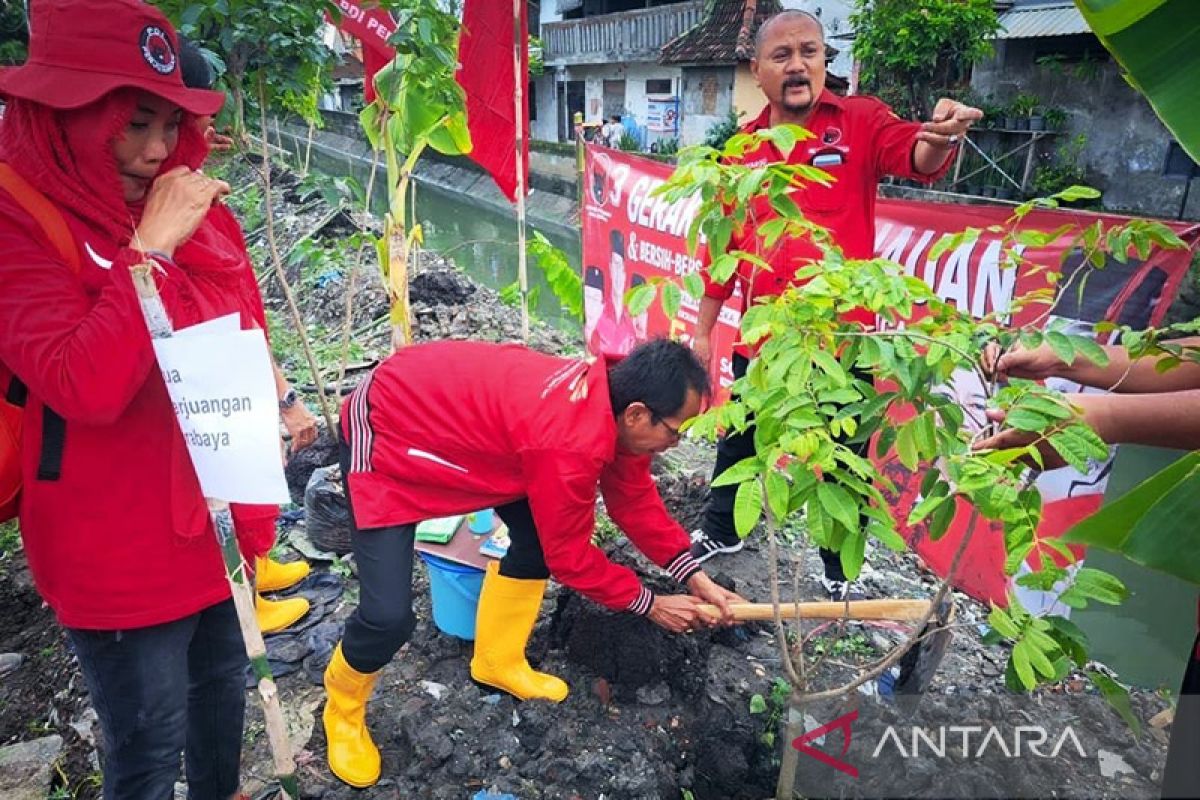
(650, 715)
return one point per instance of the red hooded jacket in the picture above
(450, 427)
(122, 539)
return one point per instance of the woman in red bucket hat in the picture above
(102, 159)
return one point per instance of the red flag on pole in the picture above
(485, 71)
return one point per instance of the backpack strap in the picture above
(54, 427)
(43, 211)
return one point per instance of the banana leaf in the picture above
(1157, 43)
(1155, 524)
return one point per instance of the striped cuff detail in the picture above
(641, 604)
(683, 566)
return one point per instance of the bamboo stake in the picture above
(159, 325)
(519, 106)
(901, 610)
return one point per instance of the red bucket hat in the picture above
(80, 50)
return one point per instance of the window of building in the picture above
(659, 86)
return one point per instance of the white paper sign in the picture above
(223, 390)
(225, 324)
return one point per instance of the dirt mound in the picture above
(441, 288)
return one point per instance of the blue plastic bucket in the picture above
(454, 590)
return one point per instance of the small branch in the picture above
(348, 315)
(277, 262)
(789, 668)
(894, 657)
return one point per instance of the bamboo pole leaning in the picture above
(159, 325)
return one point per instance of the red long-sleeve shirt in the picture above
(450, 427)
(857, 140)
(122, 539)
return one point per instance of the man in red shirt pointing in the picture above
(451, 427)
(857, 140)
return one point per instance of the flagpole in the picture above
(519, 117)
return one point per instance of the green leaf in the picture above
(369, 119)
(906, 446)
(1117, 697)
(929, 503)
(940, 521)
(740, 472)
(1073, 193)
(672, 297)
(1154, 524)
(1100, 586)
(779, 494)
(693, 284)
(1022, 664)
(830, 366)
(1023, 419)
(1062, 346)
(853, 553)
(838, 504)
(1002, 623)
(639, 298)
(758, 704)
(1087, 347)
(452, 137)
(747, 507)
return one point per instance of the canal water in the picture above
(483, 243)
(1145, 640)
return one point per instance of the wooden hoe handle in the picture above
(902, 610)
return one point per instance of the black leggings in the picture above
(732, 448)
(384, 619)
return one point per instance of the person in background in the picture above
(269, 574)
(116, 530)
(449, 427)
(612, 131)
(198, 74)
(1145, 406)
(858, 140)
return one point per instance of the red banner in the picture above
(373, 27)
(630, 237)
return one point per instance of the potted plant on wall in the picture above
(1056, 119)
(1024, 106)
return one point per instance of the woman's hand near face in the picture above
(175, 206)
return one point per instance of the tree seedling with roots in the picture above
(820, 385)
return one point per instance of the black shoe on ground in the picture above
(705, 547)
(840, 591)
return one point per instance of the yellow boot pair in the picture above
(271, 576)
(353, 757)
(508, 609)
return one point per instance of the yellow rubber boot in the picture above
(508, 608)
(275, 615)
(353, 757)
(271, 576)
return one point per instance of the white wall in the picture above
(545, 127)
(635, 76)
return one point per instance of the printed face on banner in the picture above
(639, 237)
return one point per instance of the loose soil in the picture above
(650, 715)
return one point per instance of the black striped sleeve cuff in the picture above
(683, 566)
(641, 604)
